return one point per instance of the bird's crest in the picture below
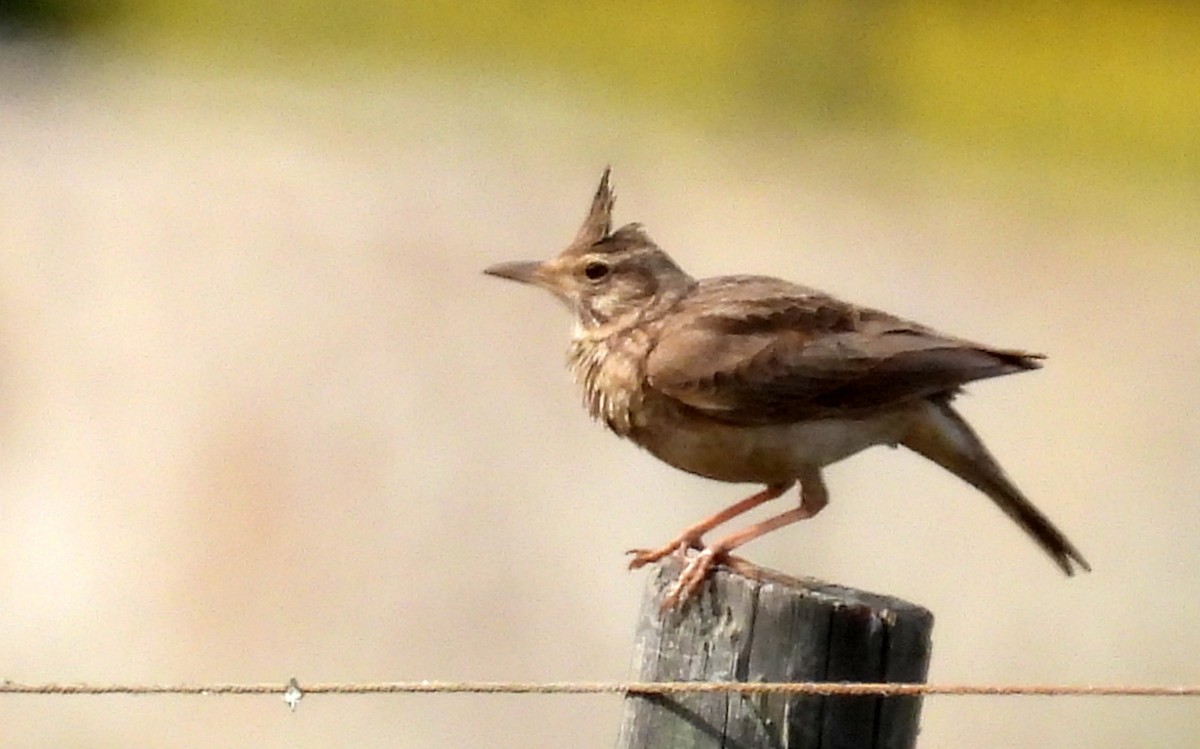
(599, 219)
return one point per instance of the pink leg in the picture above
(691, 536)
(813, 498)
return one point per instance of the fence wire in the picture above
(891, 689)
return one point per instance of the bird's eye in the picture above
(595, 270)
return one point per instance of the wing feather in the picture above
(760, 357)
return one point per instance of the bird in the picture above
(752, 379)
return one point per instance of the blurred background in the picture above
(261, 416)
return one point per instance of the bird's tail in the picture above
(945, 438)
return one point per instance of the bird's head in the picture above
(605, 276)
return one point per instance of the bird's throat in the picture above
(609, 368)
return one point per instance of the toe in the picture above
(692, 577)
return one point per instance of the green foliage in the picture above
(1107, 82)
(53, 16)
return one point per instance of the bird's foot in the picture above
(700, 567)
(694, 573)
(681, 545)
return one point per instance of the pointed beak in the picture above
(525, 271)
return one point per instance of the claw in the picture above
(642, 557)
(693, 575)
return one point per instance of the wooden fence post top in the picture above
(773, 627)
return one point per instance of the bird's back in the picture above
(753, 349)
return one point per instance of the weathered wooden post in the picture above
(775, 629)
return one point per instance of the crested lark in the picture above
(758, 380)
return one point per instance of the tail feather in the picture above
(945, 438)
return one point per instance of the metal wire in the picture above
(634, 688)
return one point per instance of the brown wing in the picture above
(755, 350)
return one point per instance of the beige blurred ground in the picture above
(262, 416)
